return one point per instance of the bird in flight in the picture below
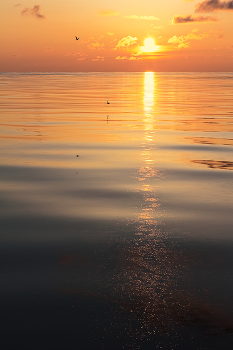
(76, 38)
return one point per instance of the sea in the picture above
(116, 211)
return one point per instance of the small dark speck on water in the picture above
(77, 155)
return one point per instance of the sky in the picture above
(116, 35)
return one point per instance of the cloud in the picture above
(157, 27)
(147, 18)
(82, 58)
(139, 53)
(131, 58)
(126, 42)
(109, 33)
(191, 19)
(17, 5)
(183, 41)
(214, 5)
(109, 13)
(96, 45)
(98, 58)
(33, 12)
(93, 44)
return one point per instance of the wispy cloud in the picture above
(147, 18)
(109, 13)
(191, 19)
(17, 5)
(214, 5)
(130, 58)
(93, 44)
(126, 42)
(35, 12)
(98, 58)
(96, 45)
(157, 27)
(82, 57)
(184, 41)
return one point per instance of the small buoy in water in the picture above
(108, 103)
(77, 155)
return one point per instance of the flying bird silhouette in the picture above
(76, 38)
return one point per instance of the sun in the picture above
(149, 42)
(149, 45)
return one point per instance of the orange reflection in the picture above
(149, 86)
(148, 91)
(147, 218)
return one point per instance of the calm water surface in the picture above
(116, 219)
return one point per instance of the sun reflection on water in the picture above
(149, 87)
(151, 266)
(148, 91)
(147, 173)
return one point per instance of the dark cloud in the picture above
(191, 19)
(35, 12)
(214, 5)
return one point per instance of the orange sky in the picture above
(185, 35)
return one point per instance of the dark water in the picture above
(116, 219)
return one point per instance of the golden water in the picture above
(127, 204)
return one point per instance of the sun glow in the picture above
(149, 45)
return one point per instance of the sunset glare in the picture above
(149, 45)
